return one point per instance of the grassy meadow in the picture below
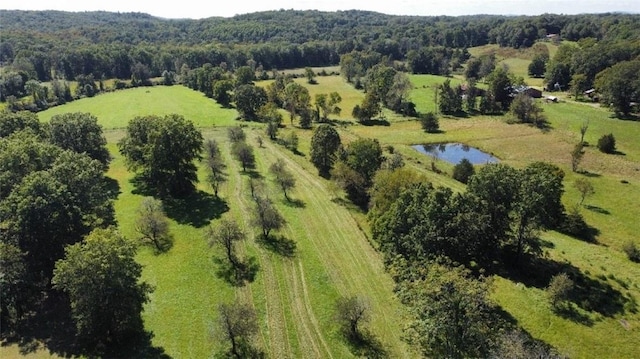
(294, 293)
(115, 109)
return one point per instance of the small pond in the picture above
(455, 152)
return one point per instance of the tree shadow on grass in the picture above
(570, 312)
(112, 187)
(139, 346)
(295, 203)
(338, 122)
(588, 294)
(376, 122)
(365, 345)
(50, 325)
(237, 275)
(597, 209)
(279, 244)
(589, 174)
(196, 209)
(162, 245)
(251, 173)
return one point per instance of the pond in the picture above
(455, 152)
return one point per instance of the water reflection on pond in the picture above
(455, 152)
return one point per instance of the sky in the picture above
(197, 9)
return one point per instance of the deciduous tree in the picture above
(282, 177)
(12, 122)
(500, 87)
(361, 159)
(236, 134)
(215, 165)
(237, 325)
(243, 152)
(538, 65)
(584, 187)
(266, 216)
(152, 224)
(619, 86)
(80, 132)
(296, 100)
(451, 313)
(226, 233)
(328, 104)
(352, 312)
(525, 110)
(249, 99)
(102, 279)
(324, 144)
(163, 150)
(463, 171)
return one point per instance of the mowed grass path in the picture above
(332, 259)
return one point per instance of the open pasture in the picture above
(115, 109)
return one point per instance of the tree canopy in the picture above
(80, 132)
(101, 278)
(619, 86)
(163, 150)
(324, 144)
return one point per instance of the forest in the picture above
(106, 45)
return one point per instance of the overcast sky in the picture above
(197, 9)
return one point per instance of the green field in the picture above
(115, 109)
(294, 296)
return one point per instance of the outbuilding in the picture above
(532, 92)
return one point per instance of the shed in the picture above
(532, 92)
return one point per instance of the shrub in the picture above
(559, 289)
(291, 141)
(429, 122)
(607, 144)
(632, 251)
(463, 171)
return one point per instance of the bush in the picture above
(559, 289)
(463, 171)
(607, 144)
(632, 251)
(429, 122)
(291, 141)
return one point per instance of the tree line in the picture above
(58, 231)
(49, 44)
